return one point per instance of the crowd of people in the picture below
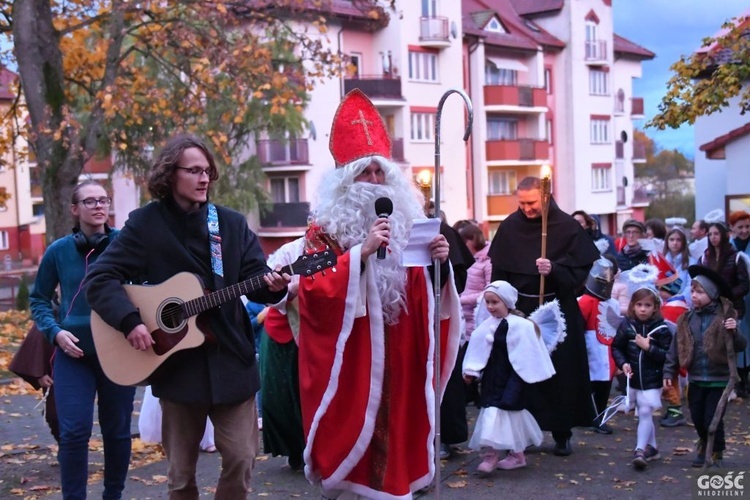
(343, 368)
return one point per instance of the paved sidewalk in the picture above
(599, 467)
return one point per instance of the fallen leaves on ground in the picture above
(456, 484)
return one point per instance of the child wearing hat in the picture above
(700, 346)
(506, 353)
(639, 349)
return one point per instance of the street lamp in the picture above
(424, 181)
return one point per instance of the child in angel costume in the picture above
(507, 352)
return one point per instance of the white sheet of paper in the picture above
(417, 252)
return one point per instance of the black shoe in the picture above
(562, 448)
(673, 420)
(639, 459)
(445, 451)
(602, 429)
(700, 457)
(296, 462)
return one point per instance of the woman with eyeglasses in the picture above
(77, 375)
(632, 253)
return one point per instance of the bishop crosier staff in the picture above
(546, 187)
(436, 266)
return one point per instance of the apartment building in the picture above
(404, 67)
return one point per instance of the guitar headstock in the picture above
(308, 265)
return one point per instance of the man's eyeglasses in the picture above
(632, 232)
(197, 171)
(93, 202)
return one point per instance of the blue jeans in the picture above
(77, 384)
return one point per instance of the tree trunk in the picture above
(54, 142)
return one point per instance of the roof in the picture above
(522, 34)
(7, 78)
(725, 139)
(626, 48)
(372, 17)
(533, 7)
(719, 55)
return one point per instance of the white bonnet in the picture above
(505, 291)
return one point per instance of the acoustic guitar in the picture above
(170, 312)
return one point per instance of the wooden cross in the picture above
(364, 125)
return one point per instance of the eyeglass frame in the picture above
(197, 171)
(89, 203)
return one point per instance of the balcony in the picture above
(375, 87)
(636, 107)
(279, 152)
(433, 32)
(517, 150)
(285, 215)
(620, 195)
(515, 95)
(639, 152)
(596, 51)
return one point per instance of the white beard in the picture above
(347, 212)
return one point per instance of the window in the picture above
(591, 31)
(548, 80)
(4, 240)
(549, 131)
(422, 126)
(499, 76)
(598, 82)
(502, 129)
(354, 65)
(601, 173)
(429, 8)
(599, 131)
(423, 66)
(495, 26)
(502, 182)
(37, 209)
(285, 189)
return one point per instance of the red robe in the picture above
(368, 401)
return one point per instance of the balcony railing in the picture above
(280, 152)
(515, 95)
(375, 86)
(596, 50)
(621, 195)
(433, 29)
(517, 149)
(636, 106)
(619, 150)
(285, 215)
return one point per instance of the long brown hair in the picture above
(160, 182)
(717, 256)
(684, 251)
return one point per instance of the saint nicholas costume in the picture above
(368, 387)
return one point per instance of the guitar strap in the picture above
(215, 240)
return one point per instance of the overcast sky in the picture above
(669, 28)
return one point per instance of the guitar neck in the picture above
(219, 297)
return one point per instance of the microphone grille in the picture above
(383, 206)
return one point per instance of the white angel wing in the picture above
(602, 245)
(609, 317)
(651, 244)
(550, 320)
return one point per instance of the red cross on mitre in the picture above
(358, 130)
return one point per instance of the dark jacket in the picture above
(700, 344)
(647, 365)
(627, 262)
(734, 271)
(160, 240)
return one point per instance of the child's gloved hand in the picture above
(730, 324)
(627, 370)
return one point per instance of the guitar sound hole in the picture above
(171, 315)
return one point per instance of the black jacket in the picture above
(647, 365)
(160, 240)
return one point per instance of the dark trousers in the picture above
(453, 426)
(600, 390)
(78, 382)
(703, 402)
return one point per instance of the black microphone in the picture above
(383, 208)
